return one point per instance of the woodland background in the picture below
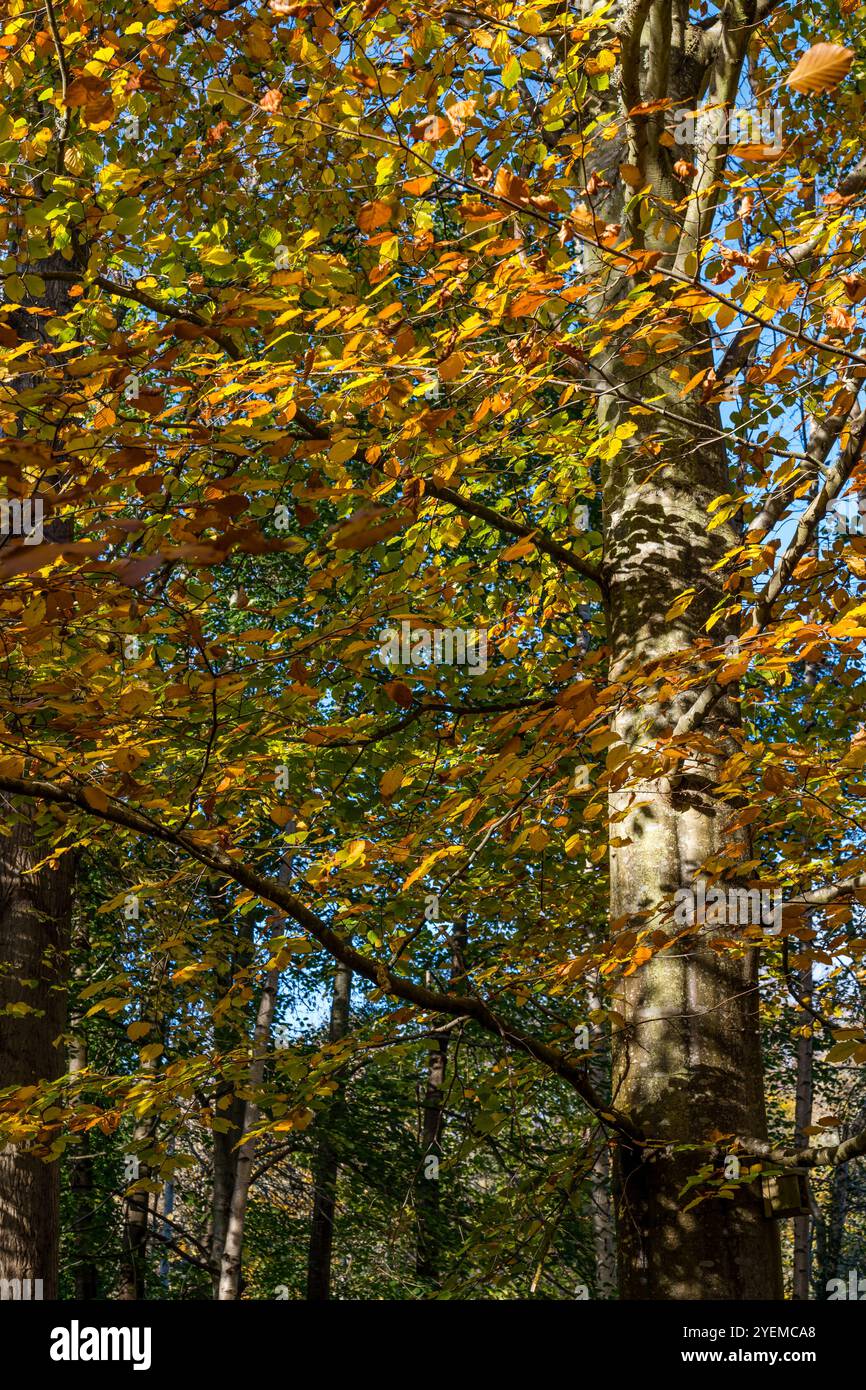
(323, 979)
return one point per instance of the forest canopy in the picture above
(431, 649)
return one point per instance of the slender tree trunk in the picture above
(428, 1259)
(230, 1269)
(231, 1111)
(136, 1215)
(831, 1262)
(601, 1196)
(225, 1167)
(35, 909)
(802, 1121)
(81, 1185)
(687, 1063)
(427, 1192)
(326, 1166)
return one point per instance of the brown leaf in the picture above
(481, 172)
(838, 319)
(543, 203)
(821, 69)
(400, 694)
(646, 108)
(855, 287)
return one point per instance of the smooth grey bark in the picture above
(326, 1165)
(230, 1112)
(687, 1063)
(429, 1254)
(225, 1166)
(230, 1267)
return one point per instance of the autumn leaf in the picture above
(391, 781)
(821, 68)
(631, 175)
(510, 186)
(400, 693)
(431, 129)
(373, 215)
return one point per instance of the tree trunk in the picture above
(35, 916)
(831, 1262)
(601, 1197)
(427, 1204)
(225, 1151)
(225, 1167)
(230, 1269)
(85, 1273)
(687, 1062)
(326, 1166)
(802, 1121)
(136, 1215)
(35, 911)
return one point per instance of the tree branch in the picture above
(471, 1006)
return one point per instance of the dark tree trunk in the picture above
(35, 915)
(136, 1216)
(35, 911)
(603, 1224)
(802, 1121)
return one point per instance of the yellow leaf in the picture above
(428, 864)
(392, 781)
(680, 605)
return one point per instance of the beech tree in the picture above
(450, 434)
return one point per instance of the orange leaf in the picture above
(821, 69)
(373, 215)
